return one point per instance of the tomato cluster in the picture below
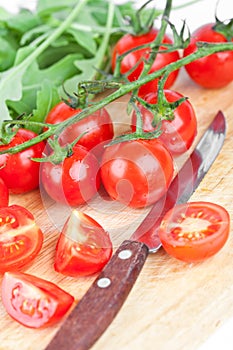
(136, 172)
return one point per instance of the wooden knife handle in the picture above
(97, 309)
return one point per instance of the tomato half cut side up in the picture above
(32, 301)
(83, 247)
(194, 231)
(21, 238)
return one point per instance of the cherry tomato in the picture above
(98, 127)
(130, 61)
(20, 238)
(32, 301)
(194, 231)
(18, 171)
(74, 181)
(4, 194)
(83, 247)
(178, 134)
(213, 71)
(137, 173)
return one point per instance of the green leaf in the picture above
(46, 99)
(84, 39)
(11, 86)
(7, 54)
(49, 6)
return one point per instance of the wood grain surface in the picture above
(173, 305)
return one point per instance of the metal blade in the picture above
(185, 182)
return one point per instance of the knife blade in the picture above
(101, 303)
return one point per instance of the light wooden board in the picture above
(173, 305)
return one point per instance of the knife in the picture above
(101, 303)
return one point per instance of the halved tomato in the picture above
(194, 231)
(83, 248)
(32, 301)
(20, 238)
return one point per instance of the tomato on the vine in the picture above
(138, 172)
(75, 180)
(194, 231)
(83, 247)
(18, 171)
(4, 194)
(177, 134)
(33, 301)
(97, 128)
(20, 238)
(133, 62)
(212, 71)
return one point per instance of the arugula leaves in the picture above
(62, 42)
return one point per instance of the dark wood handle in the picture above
(97, 309)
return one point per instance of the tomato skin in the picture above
(83, 247)
(178, 134)
(203, 242)
(4, 194)
(32, 301)
(98, 127)
(137, 173)
(20, 238)
(74, 181)
(128, 42)
(213, 71)
(18, 171)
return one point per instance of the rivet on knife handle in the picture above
(89, 319)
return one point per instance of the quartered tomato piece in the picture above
(83, 247)
(4, 194)
(20, 237)
(194, 231)
(32, 301)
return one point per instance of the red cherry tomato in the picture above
(213, 71)
(74, 181)
(20, 238)
(137, 173)
(178, 134)
(194, 231)
(83, 247)
(130, 61)
(18, 171)
(98, 127)
(4, 194)
(32, 301)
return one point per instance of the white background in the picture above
(201, 12)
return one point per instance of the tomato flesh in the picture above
(20, 238)
(83, 247)
(194, 231)
(133, 61)
(4, 194)
(32, 301)
(213, 71)
(178, 134)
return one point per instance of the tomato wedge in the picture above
(4, 194)
(32, 301)
(194, 231)
(20, 238)
(83, 247)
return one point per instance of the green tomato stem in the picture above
(203, 50)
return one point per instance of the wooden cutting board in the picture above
(173, 305)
